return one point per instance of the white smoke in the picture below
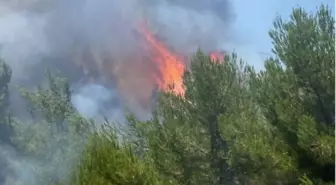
(94, 100)
(21, 40)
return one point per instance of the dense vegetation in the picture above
(233, 126)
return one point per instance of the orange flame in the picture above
(217, 56)
(171, 68)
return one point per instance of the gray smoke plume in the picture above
(94, 99)
(93, 37)
(96, 44)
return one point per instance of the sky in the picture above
(255, 18)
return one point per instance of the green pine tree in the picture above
(107, 161)
(5, 125)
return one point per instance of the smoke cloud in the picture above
(95, 39)
(94, 99)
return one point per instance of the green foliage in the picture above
(53, 102)
(6, 129)
(5, 121)
(305, 45)
(184, 137)
(295, 93)
(107, 162)
(175, 150)
(54, 139)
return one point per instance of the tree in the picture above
(5, 127)
(305, 45)
(186, 129)
(53, 103)
(214, 89)
(175, 148)
(106, 161)
(295, 94)
(56, 135)
(6, 130)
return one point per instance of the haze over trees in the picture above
(232, 126)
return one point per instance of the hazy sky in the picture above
(249, 36)
(254, 19)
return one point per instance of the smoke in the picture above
(92, 38)
(94, 99)
(15, 167)
(96, 44)
(189, 24)
(53, 160)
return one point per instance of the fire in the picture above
(139, 71)
(171, 68)
(217, 56)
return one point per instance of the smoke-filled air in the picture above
(148, 92)
(128, 47)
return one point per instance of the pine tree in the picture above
(107, 161)
(305, 45)
(55, 136)
(5, 125)
(295, 94)
(6, 129)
